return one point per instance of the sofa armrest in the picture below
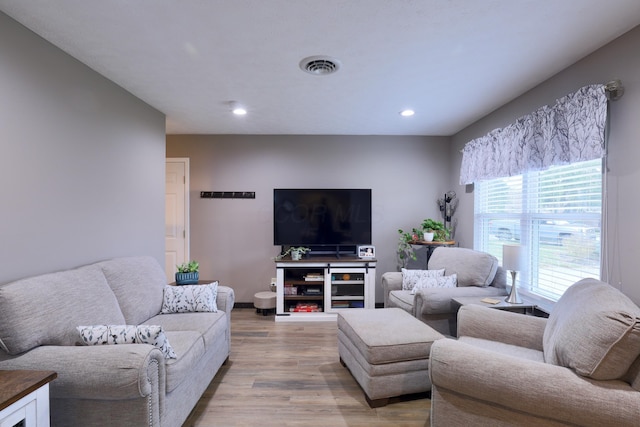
(499, 325)
(114, 372)
(226, 299)
(438, 300)
(524, 386)
(391, 281)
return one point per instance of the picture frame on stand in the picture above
(367, 252)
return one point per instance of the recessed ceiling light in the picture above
(238, 109)
(407, 113)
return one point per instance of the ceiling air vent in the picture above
(319, 65)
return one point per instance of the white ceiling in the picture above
(452, 61)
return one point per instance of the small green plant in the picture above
(440, 234)
(188, 267)
(299, 249)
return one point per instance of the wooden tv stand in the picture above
(318, 288)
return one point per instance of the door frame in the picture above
(187, 225)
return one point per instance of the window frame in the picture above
(532, 221)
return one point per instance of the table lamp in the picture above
(512, 261)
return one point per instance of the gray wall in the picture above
(617, 60)
(233, 239)
(82, 166)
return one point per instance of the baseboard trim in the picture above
(243, 305)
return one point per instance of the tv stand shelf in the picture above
(316, 289)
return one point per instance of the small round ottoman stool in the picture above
(264, 302)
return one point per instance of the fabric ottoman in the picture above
(387, 352)
(264, 301)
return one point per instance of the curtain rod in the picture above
(614, 90)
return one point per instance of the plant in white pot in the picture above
(296, 253)
(436, 229)
(188, 273)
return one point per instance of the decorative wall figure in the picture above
(448, 206)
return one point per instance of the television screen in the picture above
(322, 217)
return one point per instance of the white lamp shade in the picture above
(512, 257)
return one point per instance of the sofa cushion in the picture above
(138, 283)
(436, 282)
(190, 298)
(45, 310)
(212, 326)
(190, 347)
(473, 268)
(412, 277)
(127, 334)
(594, 329)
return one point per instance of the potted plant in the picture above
(296, 253)
(405, 250)
(440, 233)
(187, 273)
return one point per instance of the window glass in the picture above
(554, 214)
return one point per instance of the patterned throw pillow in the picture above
(411, 277)
(190, 298)
(436, 282)
(127, 334)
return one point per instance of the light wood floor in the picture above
(289, 374)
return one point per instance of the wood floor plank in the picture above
(289, 374)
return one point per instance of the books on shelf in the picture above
(304, 307)
(314, 277)
(290, 290)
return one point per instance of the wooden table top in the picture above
(14, 385)
(433, 243)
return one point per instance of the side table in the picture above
(24, 398)
(200, 282)
(526, 307)
(431, 246)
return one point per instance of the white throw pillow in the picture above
(127, 334)
(411, 277)
(436, 282)
(190, 298)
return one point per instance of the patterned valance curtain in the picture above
(570, 131)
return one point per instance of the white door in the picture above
(176, 215)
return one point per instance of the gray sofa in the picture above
(479, 274)
(125, 384)
(579, 367)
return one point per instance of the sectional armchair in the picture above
(478, 274)
(579, 367)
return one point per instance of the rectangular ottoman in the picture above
(387, 352)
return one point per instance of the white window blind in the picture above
(554, 214)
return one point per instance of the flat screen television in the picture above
(320, 218)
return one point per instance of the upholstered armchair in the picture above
(581, 366)
(478, 274)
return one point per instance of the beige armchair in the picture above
(478, 275)
(579, 367)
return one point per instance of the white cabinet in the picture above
(24, 398)
(318, 288)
